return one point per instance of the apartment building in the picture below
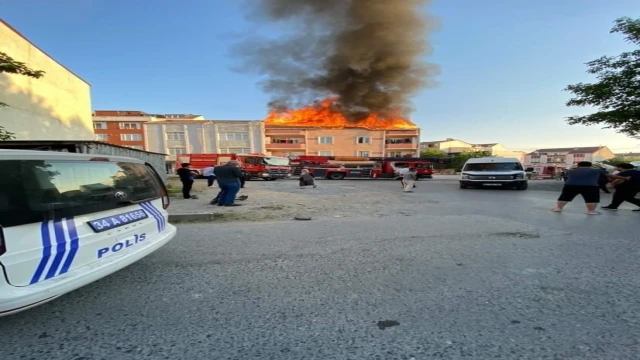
(566, 157)
(175, 137)
(293, 141)
(126, 127)
(56, 106)
(454, 146)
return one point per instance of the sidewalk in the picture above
(284, 200)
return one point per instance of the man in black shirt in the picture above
(628, 189)
(228, 177)
(186, 177)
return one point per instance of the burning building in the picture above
(322, 130)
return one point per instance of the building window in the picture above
(324, 153)
(130, 137)
(238, 151)
(175, 136)
(363, 153)
(129, 126)
(102, 137)
(285, 141)
(177, 150)
(403, 141)
(100, 125)
(235, 136)
(394, 154)
(325, 140)
(578, 155)
(363, 140)
(137, 147)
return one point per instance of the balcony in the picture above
(402, 133)
(403, 146)
(286, 146)
(284, 132)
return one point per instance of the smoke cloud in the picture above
(368, 54)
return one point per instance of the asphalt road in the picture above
(458, 274)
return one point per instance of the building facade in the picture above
(294, 141)
(56, 106)
(455, 147)
(124, 128)
(175, 137)
(567, 157)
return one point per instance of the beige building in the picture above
(566, 157)
(54, 107)
(455, 146)
(293, 141)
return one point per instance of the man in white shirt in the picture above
(209, 173)
(401, 172)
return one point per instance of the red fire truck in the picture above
(339, 167)
(254, 165)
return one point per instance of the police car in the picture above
(67, 220)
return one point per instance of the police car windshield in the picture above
(35, 190)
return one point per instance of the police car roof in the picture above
(485, 160)
(55, 155)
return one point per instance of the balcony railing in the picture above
(286, 146)
(402, 146)
(393, 133)
(287, 132)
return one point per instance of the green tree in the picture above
(457, 162)
(10, 66)
(616, 95)
(432, 153)
(617, 161)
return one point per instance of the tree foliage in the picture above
(458, 161)
(10, 66)
(616, 94)
(616, 161)
(432, 153)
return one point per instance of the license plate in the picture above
(492, 184)
(115, 221)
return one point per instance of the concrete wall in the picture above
(54, 107)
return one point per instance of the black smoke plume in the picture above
(368, 54)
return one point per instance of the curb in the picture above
(181, 218)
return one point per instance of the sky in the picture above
(503, 64)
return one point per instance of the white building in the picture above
(176, 137)
(455, 146)
(566, 157)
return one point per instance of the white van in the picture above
(493, 171)
(67, 220)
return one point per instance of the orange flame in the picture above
(324, 116)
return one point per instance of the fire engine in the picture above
(340, 167)
(254, 165)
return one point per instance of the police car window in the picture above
(40, 190)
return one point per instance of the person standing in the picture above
(409, 179)
(627, 188)
(186, 175)
(583, 181)
(209, 173)
(228, 177)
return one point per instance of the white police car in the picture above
(67, 220)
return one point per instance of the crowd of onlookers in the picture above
(588, 180)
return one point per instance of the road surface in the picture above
(456, 274)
